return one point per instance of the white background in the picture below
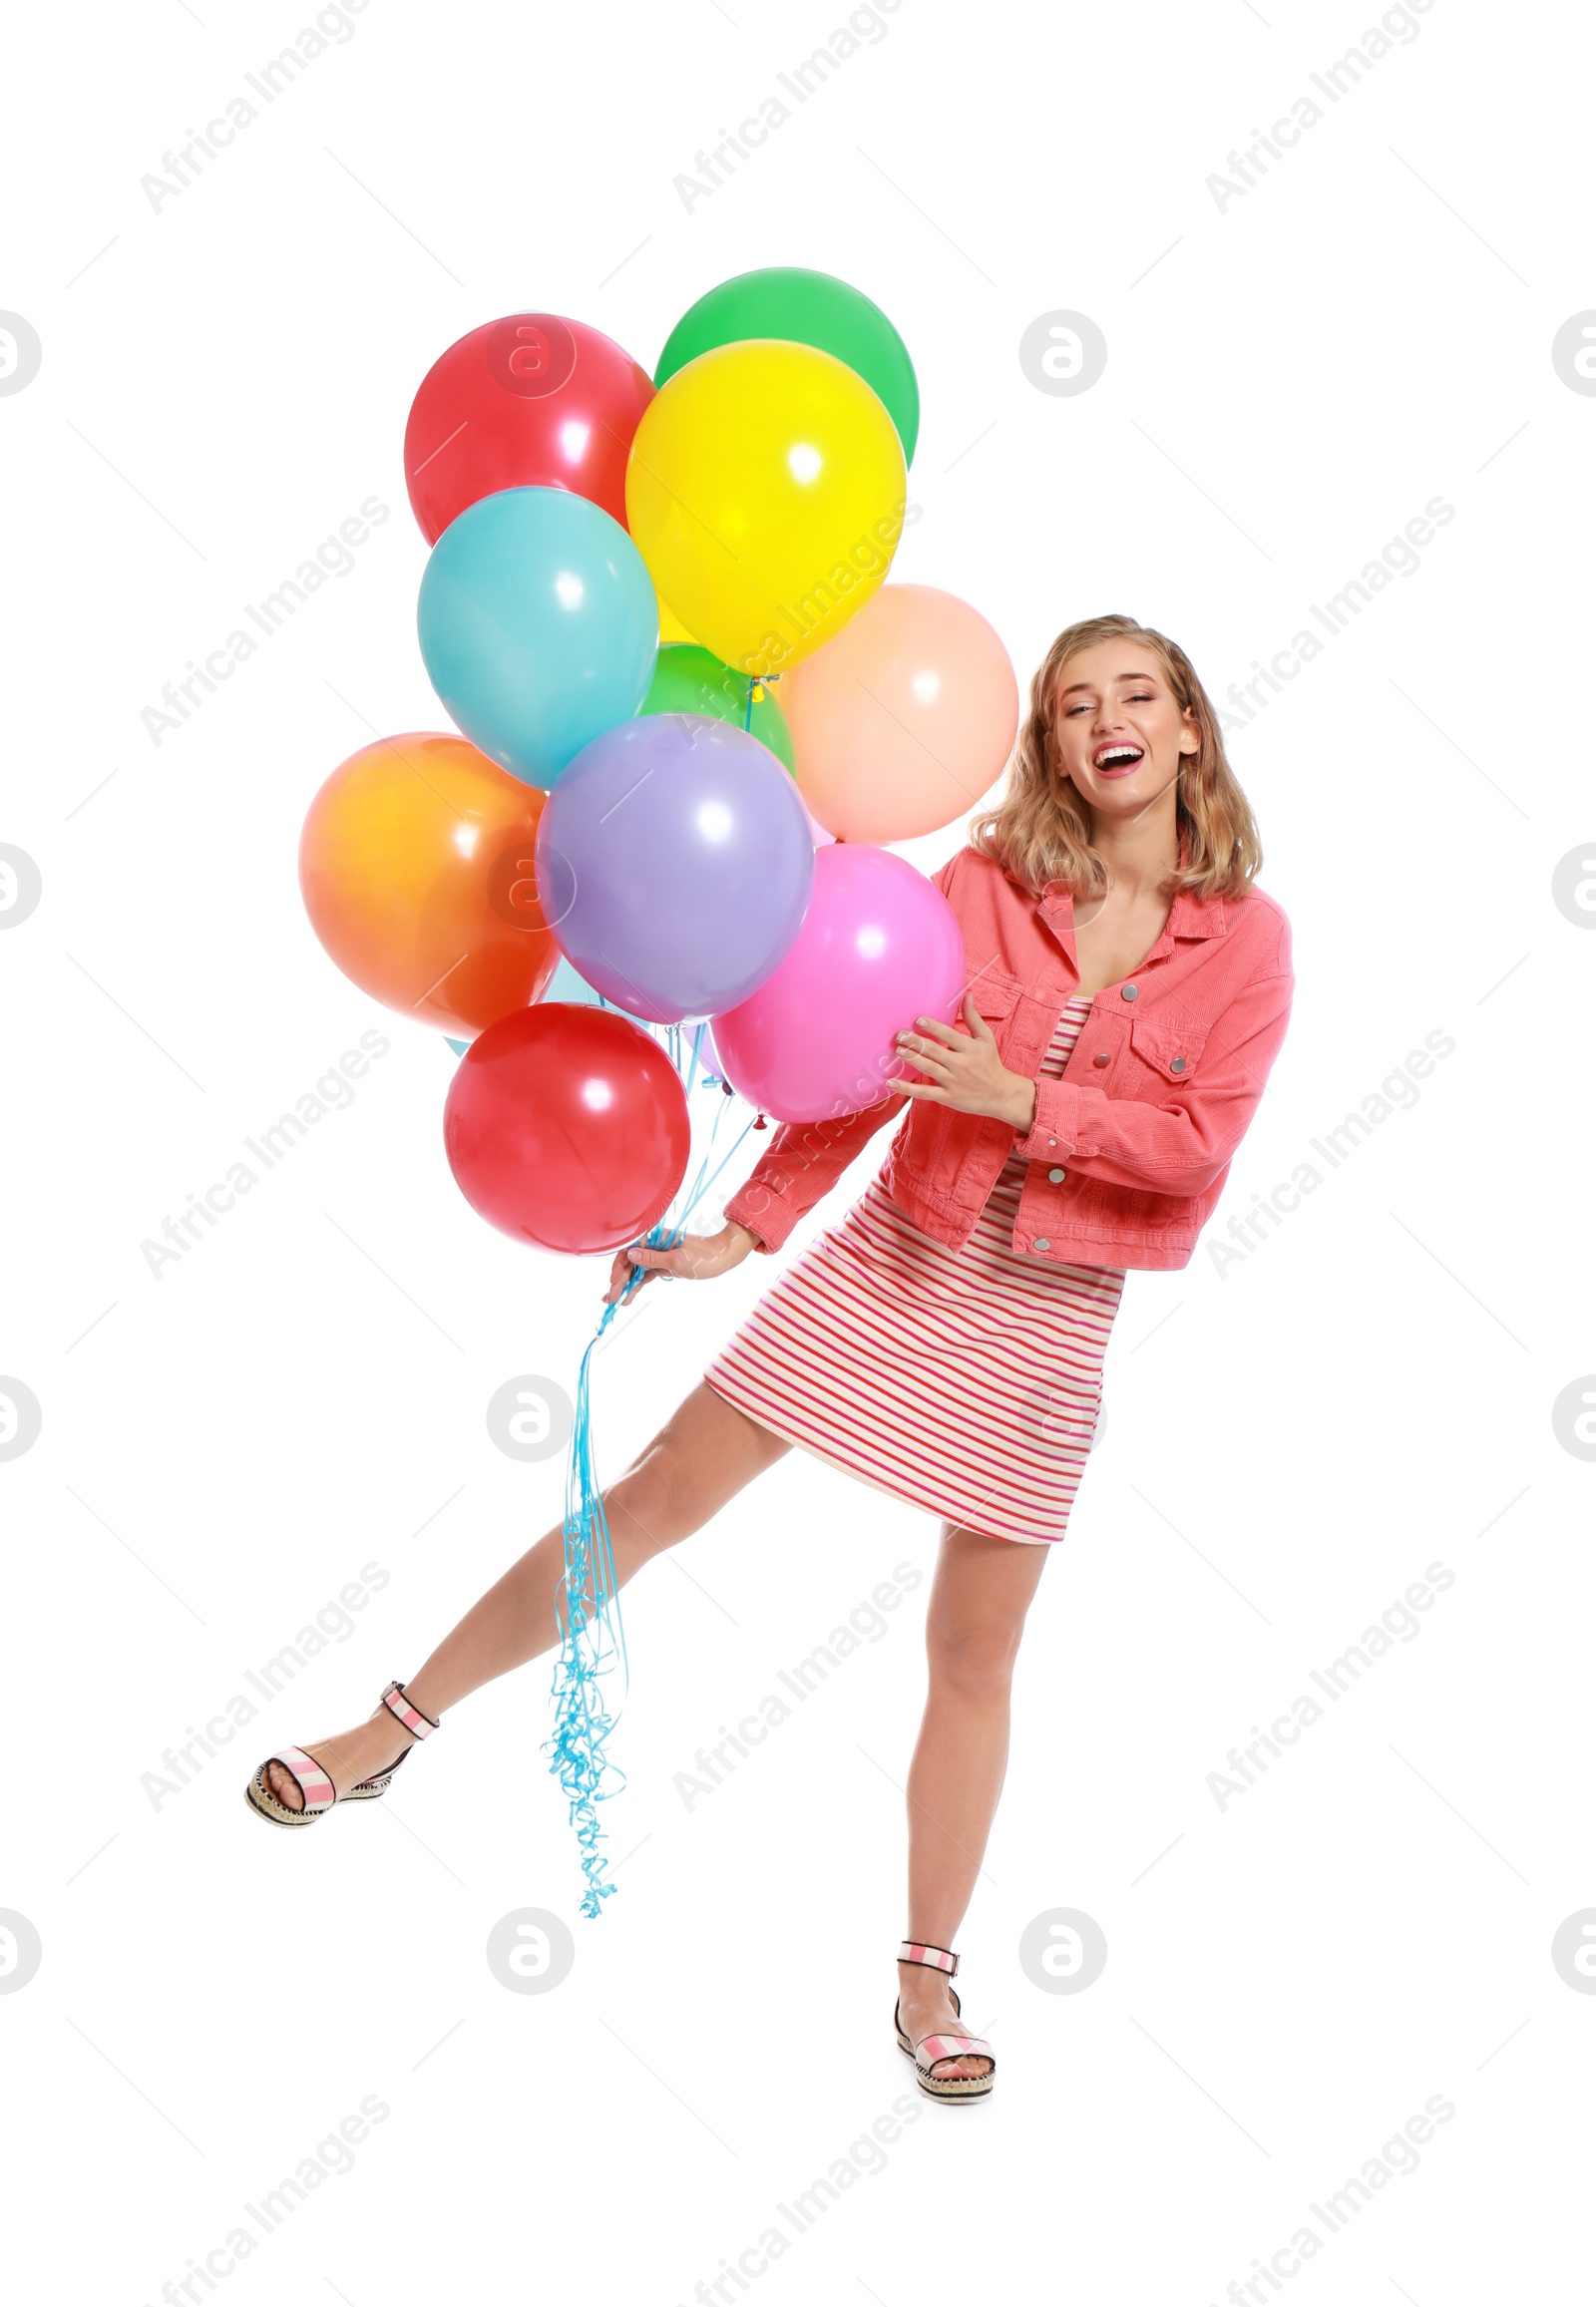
(1288, 1444)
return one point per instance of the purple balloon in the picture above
(674, 864)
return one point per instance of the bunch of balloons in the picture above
(625, 572)
(657, 613)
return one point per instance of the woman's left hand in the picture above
(964, 1071)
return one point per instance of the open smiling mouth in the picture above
(1118, 760)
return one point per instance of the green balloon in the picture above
(804, 308)
(693, 680)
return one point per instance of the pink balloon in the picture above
(880, 947)
(906, 719)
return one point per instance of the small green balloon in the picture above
(693, 680)
(802, 307)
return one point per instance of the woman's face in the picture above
(1119, 733)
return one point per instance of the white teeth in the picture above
(1118, 753)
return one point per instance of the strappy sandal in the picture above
(933, 2051)
(316, 1788)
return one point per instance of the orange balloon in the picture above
(416, 868)
(904, 720)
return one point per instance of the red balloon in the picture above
(566, 1127)
(530, 401)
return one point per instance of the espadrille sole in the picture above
(950, 2090)
(280, 1816)
(265, 1803)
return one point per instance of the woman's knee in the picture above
(659, 1497)
(982, 1589)
(704, 1454)
(977, 1658)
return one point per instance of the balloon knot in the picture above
(760, 1121)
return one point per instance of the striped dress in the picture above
(967, 1381)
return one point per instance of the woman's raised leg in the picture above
(973, 1622)
(700, 1459)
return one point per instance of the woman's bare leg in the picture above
(973, 1622)
(706, 1453)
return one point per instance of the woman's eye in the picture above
(1138, 698)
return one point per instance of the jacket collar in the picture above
(1189, 916)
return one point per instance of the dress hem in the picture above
(902, 1497)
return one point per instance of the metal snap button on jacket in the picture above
(1041, 1243)
(1101, 1058)
(1177, 1065)
(1056, 1177)
(1127, 993)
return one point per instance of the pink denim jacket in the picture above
(1129, 1149)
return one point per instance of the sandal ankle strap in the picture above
(419, 1725)
(930, 1958)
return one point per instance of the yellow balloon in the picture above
(672, 632)
(765, 490)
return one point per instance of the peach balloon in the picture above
(415, 869)
(906, 719)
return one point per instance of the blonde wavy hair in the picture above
(1040, 831)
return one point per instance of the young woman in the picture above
(1128, 993)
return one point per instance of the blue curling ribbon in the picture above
(592, 1638)
(591, 1641)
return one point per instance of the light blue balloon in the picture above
(539, 626)
(569, 984)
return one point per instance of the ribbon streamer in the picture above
(588, 1608)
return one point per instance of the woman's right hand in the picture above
(700, 1256)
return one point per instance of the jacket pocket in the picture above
(1127, 1213)
(1164, 1054)
(997, 999)
(918, 1149)
(995, 994)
